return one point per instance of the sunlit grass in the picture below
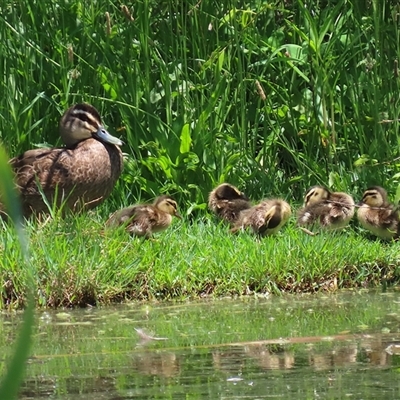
(79, 263)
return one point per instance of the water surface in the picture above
(337, 346)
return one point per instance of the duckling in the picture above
(331, 210)
(378, 215)
(265, 218)
(227, 201)
(81, 175)
(145, 219)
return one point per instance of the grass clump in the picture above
(279, 95)
(78, 263)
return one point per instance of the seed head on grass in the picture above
(108, 23)
(70, 51)
(127, 13)
(260, 90)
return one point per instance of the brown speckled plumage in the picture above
(378, 215)
(265, 218)
(146, 219)
(82, 175)
(329, 210)
(227, 201)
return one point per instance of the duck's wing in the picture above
(143, 219)
(388, 218)
(48, 167)
(43, 171)
(121, 217)
(231, 209)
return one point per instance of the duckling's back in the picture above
(140, 219)
(265, 218)
(333, 212)
(227, 202)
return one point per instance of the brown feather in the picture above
(265, 218)
(145, 219)
(227, 201)
(330, 210)
(378, 215)
(81, 176)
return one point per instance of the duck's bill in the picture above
(177, 215)
(104, 136)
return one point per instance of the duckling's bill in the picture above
(177, 215)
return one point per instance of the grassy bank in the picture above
(272, 96)
(78, 263)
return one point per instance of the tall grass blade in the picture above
(12, 380)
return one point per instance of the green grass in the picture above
(12, 377)
(273, 96)
(78, 263)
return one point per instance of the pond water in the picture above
(338, 346)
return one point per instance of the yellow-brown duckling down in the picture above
(265, 218)
(330, 210)
(146, 219)
(378, 215)
(227, 201)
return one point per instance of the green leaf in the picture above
(186, 139)
(11, 382)
(220, 63)
(397, 197)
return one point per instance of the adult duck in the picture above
(79, 176)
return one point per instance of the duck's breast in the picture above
(95, 168)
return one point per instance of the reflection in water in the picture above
(162, 364)
(229, 360)
(340, 355)
(207, 352)
(270, 357)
